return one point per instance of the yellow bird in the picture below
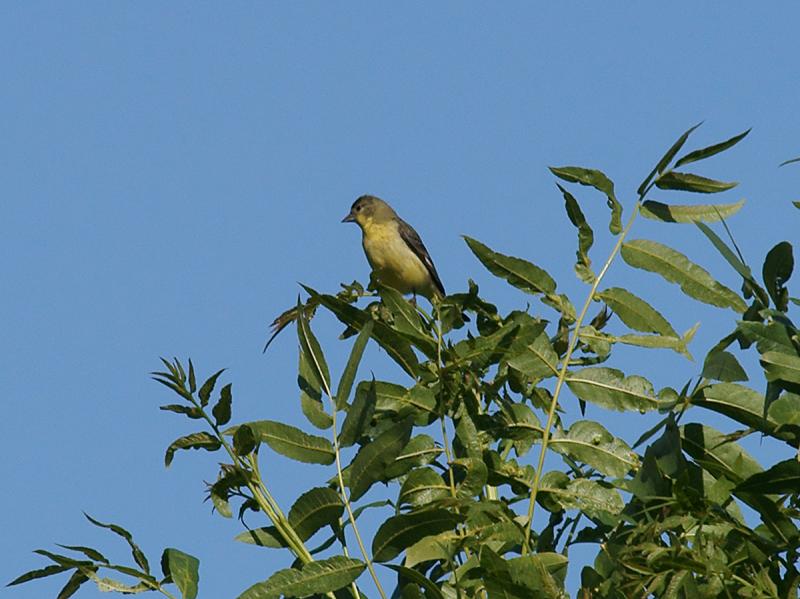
(394, 249)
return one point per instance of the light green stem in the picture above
(562, 375)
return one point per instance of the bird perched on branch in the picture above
(394, 249)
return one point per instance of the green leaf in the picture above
(716, 453)
(778, 267)
(730, 257)
(583, 267)
(314, 509)
(589, 442)
(431, 590)
(267, 536)
(791, 161)
(74, 583)
(190, 411)
(319, 577)
(675, 213)
(222, 410)
(742, 404)
(783, 477)
(537, 360)
(676, 268)
(370, 462)
(350, 369)
(692, 183)
(635, 312)
(293, 443)
(358, 416)
(208, 387)
(183, 569)
(92, 554)
(781, 366)
(518, 272)
(311, 348)
(723, 366)
(676, 344)
(785, 410)
(311, 394)
(407, 320)
(474, 478)
(666, 159)
(244, 440)
(201, 440)
(767, 337)
(399, 532)
(421, 487)
(704, 153)
(39, 573)
(396, 346)
(420, 450)
(588, 496)
(598, 180)
(610, 388)
(138, 555)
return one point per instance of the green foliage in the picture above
(452, 451)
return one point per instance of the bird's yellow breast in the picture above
(392, 261)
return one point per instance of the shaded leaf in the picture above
(311, 394)
(399, 532)
(783, 477)
(421, 487)
(723, 366)
(781, 366)
(201, 440)
(396, 346)
(222, 409)
(244, 440)
(431, 590)
(778, 266)
(267, 536)
(74, 583)
(598, 180)
(583, 267)
(692, 183)
(407, 320)
(675, 213)
(317, 507)
(311, 347)
(358, 416)
(370, 462)
(208, 387)
(676, 268)
(709, 151)
(138, 555)
(350, 369)
(39, 573)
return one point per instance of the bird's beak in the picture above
(350, 218)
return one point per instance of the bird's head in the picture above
(367, 210)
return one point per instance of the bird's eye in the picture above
(358, 208)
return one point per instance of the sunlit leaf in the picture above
(422, 486)
(311, 348)
(183, 569)
(781, 366)
(323, 576)
(610, 388)
(723, 366)
(666, 158)
(676, 268)
(267, 536)
(518, 272)
(635, 312)
(292, 442)
(675, 213)
(589, 442)
(311, 394)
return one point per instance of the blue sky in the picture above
(170, 171)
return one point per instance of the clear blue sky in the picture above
(170, 171)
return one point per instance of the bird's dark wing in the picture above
(413, 241)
